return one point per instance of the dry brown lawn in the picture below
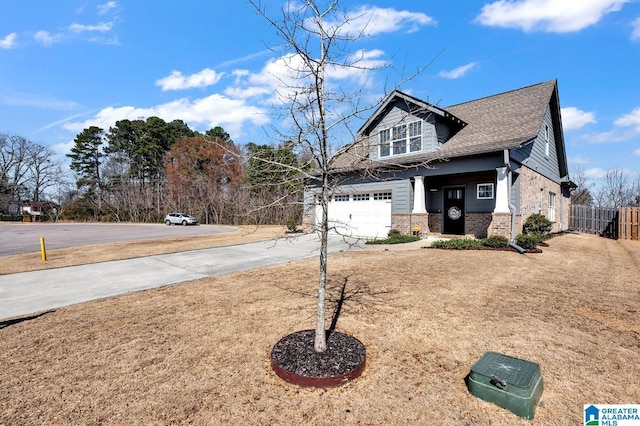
(198, 353)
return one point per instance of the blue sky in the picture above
(69, 64)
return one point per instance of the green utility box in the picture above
(511, 383)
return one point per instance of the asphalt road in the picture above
(17, 238)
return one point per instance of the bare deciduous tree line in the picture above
(140, 170)
(616, 188)
(29, 172)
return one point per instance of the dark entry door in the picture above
(453, 214)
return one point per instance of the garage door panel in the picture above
(363, 218)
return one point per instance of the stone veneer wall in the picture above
(435, 222)
(405, 222)
(534, 190)
(501, 224)
(477, 224)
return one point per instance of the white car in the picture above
(180, 219)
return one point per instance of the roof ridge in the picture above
(502, 93)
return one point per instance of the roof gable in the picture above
(507, 120)
(414, 105)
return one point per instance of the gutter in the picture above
(512, 207)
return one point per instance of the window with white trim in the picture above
(385, 135)
(485, 191)
(415, 136)
(547, 139)
(378, 196)
(401, 139)
(360, 197)
(552, 207)
(341, 197)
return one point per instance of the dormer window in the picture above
(401, 139)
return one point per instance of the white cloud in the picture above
(578, 160)
(625, 128)
(556, 16)
(21, 99)
(635, 35)
(280, 77)
(458, 72)
(375, 20)
(636, 152)
(573, 118)
(102, 27)
(9, 41)
(595, 173)
(46, 38)
(203, 113)
(103, 9)
(177, 81)
(630, 120)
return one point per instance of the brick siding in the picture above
(406, 222)
(477, 224)
(534, 190)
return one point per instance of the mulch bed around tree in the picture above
(295, 360)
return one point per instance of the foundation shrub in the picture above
(537, 224)
(395, 238)
(528, 241)
(495, 241)
(458, 244)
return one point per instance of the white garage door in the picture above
(360, 214)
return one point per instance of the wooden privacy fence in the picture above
(629, 223)
(620, 223)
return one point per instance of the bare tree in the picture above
(616, 189)
(584, 186)
(320, 112)
(44, 171)
(635, 192)
(27, 170)
(14, 167)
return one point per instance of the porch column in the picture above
(419, 202)
(502, 191)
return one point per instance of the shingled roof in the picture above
(499, 122)
(503, 121)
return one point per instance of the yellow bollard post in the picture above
(43, 250)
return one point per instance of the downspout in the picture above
(512, 207)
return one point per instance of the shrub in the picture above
(537, 224)
(395, 239)
(393, 232)
(10, 217)
(528, 241)
(458, 244)
(292, 225)
(495, 241)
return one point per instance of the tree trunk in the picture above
(320, 344)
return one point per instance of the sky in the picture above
(70, 64)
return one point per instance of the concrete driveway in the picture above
(31, 292)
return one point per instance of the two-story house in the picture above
(479, 168)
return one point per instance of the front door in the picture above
(453, 213)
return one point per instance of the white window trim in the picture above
(407, 139)
(493, 191)
(547, 138)
(552, 206)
